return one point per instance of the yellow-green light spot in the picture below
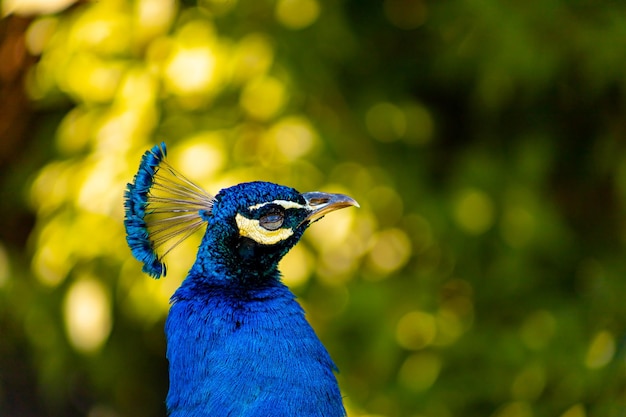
(39, 34)
(529, 383)
(92, 79)
(420, 371)
(50, 262)
(34, 7)
(262, 98)
(87, 315)
(474, 211)
(336, 266)
(97, 192)
(416, 330)
(191, 70)
(297, 14)
(75, 130)
(449, 327)
(202, 155)
(577, 410)
(538, 329)
(296, 266)
(601, 350)
(390, 250)
(153, 18)
(252, 57)
(294, 136)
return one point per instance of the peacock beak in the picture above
(321, 204)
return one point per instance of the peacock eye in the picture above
(272, 220)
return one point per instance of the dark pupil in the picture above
(272, 220)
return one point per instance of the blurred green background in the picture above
(485, 140)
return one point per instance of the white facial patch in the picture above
(283, 203)
(252, 229)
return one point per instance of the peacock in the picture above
(238, 342)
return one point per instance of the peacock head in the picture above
(250, 225)
(258, 222)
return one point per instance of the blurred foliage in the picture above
(485, 141)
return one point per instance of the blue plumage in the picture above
(238, 343)
(135, 202)
(160, 206)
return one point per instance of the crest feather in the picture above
(162, 208)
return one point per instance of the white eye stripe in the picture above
(283, 203)
(252, 229)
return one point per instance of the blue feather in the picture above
(160, 205)
(238, 343)
(135, 202)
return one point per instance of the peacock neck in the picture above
(248, 354)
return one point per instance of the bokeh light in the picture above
(297, 14)
(294, 136)
(87, 314)
(577, 410)
(474, 211)
(529, 383)
(420, 371)
(390, 251)
(203, 154)
(538, 329)
(416, 330)
(252, 57)
(297, 266)
(263, 97)
(601, 350)
(28, 7)
(191, 70)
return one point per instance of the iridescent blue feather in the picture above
(161, 205)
